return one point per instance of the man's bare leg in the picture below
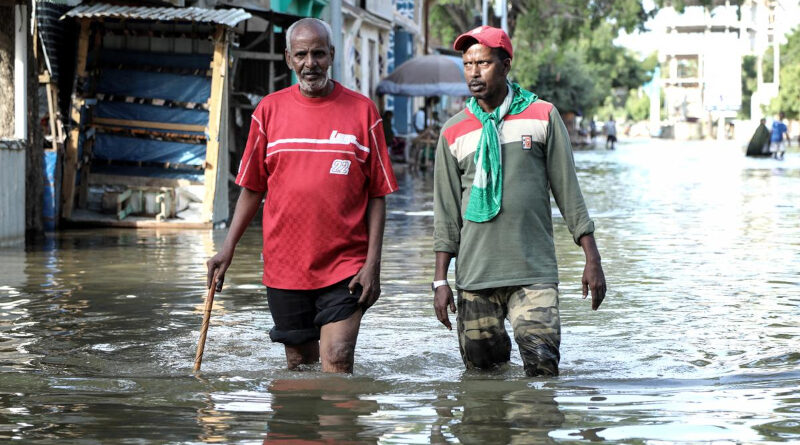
(337, 344)
(304, 354)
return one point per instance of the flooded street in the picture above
(697, 339)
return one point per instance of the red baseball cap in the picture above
(485, 35)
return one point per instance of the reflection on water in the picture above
(695, 342)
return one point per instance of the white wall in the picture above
(368, 33)
(12, 194)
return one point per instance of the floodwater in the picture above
(697, 339)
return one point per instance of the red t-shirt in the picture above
(320, 160)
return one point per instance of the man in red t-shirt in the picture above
(317, 156)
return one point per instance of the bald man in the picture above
(317, 156)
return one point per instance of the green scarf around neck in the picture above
(486, 194)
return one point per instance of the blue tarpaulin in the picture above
(148, 171)
(51, 190)
(171, 60)
(151, 113)
(177, 87)
(120, 148)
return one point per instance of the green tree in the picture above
(449, 18)
(569, 57)
(637, 106)
(749, 84)
(788, 99)
(554, 20)
(579, 74)
(564, 79)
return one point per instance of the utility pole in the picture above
(21, 72)
(335, 7)
(776, 59)
(504, 15)
(426, 6)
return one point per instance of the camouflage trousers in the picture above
(533, 313)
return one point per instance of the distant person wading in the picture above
(779, 138)
(610, 129)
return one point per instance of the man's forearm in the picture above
(376, 220)
(590, 248)
(442, 264)
(246, 208)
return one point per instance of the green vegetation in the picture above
(637, 106)
(564, 49)
(749, 84)
(788, 99)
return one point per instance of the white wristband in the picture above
(438, 283)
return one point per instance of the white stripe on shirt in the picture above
(380, 160)
(308, 150)
(247, 164)
(336, 138)
(260, 125)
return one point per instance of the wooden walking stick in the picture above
(201, 344)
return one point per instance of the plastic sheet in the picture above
(120, 148)
(188, 61)
(150, 172)
(51, 190)
(153, 113)
(177, 87)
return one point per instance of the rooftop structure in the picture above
(703, 49)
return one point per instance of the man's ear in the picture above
(333, 53)
(506, 66)
(288, 59)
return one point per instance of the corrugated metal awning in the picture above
(228, 17)
(56, 36)
(278, 18)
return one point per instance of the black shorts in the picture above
(299, 314)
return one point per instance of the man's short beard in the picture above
(312, 87)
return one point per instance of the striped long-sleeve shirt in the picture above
(516, 247)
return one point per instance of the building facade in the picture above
(701, 55)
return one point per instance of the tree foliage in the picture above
(749, 84)
(564, 50)
(637, 106)
(559, 20)
(449, 18)
(788, 100)
(562, 78)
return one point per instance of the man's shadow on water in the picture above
(321, 410)
(478, 409)
(313, 410)
(483, 410)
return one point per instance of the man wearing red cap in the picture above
(496, 163)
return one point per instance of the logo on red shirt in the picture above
(340, 167)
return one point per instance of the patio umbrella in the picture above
(431, 75)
